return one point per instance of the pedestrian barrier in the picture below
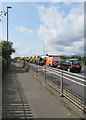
(68, 84)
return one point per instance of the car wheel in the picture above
(50, 65)
(79, 71)
(68, 69)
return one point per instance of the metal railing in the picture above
(68, 84)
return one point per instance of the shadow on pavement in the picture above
(14, 102)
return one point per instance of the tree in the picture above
(64, 57)
(0, 48)
(83, 59)
(2, 13)
(1, 16)
(76, 57)
(7, 49)
(15, 59)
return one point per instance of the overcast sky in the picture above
(59, 26)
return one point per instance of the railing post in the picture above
(31, 68)
(61, 85)
(45, 74)
(24, 64)
(27, 67)
(36, 71)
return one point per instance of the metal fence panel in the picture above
(69, 84)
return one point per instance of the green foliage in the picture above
(2, 13)
(0, 16)
(7, 49)
(76, 57)
(15, 59)
(64, 57)
(84, 59)
(0, 48)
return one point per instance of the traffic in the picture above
(70, 65)
(61, 74)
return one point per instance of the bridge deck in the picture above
(25, 97)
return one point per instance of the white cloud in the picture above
(24, 30)
(16, 46)
(76, 48)
(20, 53)
(27, 52)
(62, 35)
(42, 0)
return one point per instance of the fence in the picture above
(68, 84)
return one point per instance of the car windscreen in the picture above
(76, 62)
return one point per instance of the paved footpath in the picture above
(24, 97)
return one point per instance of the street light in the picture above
(7, 20)
(8, 7)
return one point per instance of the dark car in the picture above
(70, 65)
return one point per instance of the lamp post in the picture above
(7, 20)
(8, 7)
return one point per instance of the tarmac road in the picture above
(83, 71)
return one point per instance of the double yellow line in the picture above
(71, 96)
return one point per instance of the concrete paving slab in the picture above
(43, 104)
(22, 89)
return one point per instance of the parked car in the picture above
(73, 65)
